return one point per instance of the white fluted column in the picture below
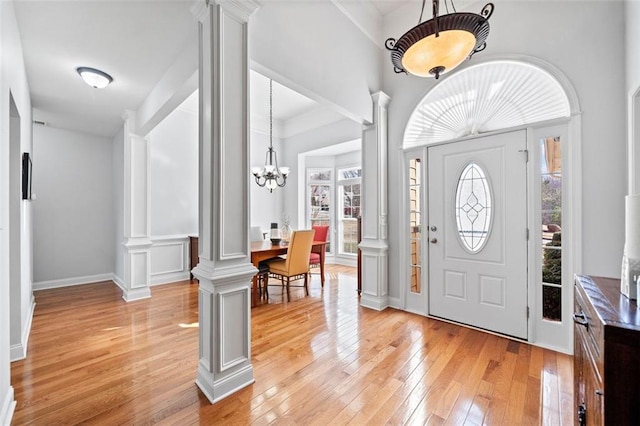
(224, 270)
(137, 242)
(374, 245)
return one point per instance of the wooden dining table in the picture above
(263, 250)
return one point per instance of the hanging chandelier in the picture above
(437, 46)
(270, 175)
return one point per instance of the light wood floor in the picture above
(322, 359)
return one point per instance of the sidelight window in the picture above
(551, 217)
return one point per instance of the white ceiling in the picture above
(385, 7)
(287, 103)
(135, 42)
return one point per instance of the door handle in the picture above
(582, 415)
(581, 319)
(433, 240)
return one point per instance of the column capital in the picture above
(381, 99)
(242, 9)
(129, 118)
(128, 115)
(199, 9)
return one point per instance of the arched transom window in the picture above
(485, 97)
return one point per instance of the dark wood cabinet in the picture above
(606, 354)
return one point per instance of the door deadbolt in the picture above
(433, 228)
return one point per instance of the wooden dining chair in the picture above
(322, 232)
(296, 264)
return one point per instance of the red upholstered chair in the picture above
(322, 232)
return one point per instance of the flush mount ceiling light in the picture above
(94, 78)
(440, 44)
(270, 175)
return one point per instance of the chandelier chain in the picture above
(421, 11)
(436, 12)
(270, 113)
(271, 175)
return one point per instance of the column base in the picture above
(224, 328)
(372, 302)
(137, 269)
(374, 274)
(215, 390)
(136, 294)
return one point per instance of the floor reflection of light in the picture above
(112, 328)
(192, 325)
(319, 343)
(548, 379)
(270, 416)
(345, 313)
(271, 391)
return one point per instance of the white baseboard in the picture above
(7, 408)
(19, 351)
(394, 302)
(118, 281)
(67, 282)
(171, 277)
(372, 302)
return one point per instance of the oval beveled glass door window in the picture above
(473, 207)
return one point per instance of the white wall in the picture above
(294, 148)
(314, 48)
(632, 34)
(73, 216)
(350, 159)
(117, 195)
(12, 80)
(562, 34)
(173, 182)
(632, 27)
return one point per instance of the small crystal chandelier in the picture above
(270, 175)
(439, 45)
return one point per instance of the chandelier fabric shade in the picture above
(270, 176)
(439, 45)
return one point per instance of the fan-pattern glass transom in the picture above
(486, 97)
(473, 207)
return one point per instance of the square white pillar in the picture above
(374, 245)
(137, 244)
(224, 269)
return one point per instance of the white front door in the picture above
(478, 232)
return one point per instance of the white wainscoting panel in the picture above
(169, 259)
